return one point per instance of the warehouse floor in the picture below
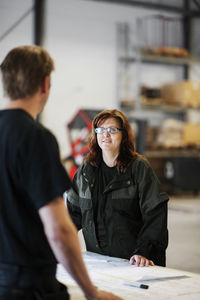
(184, 233)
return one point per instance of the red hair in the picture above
(127, 151)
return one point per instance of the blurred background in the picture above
(142, 57)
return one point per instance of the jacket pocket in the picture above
(124, 193)
(85, 204)
(125, 200)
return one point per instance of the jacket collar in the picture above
(121, 180)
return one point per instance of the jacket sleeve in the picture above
(72, 202)
(153, 236)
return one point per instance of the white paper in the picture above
(111, 274)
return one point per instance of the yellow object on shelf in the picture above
(184, 93)
(191, 134)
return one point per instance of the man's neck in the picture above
(29, 105)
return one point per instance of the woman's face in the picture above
(109, 141)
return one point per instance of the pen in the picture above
(136, 284)
(130, 283)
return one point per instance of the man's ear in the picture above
(45, 85)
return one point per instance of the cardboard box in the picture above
(191, 134)
(185, 93)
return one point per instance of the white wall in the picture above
(81, 37)
(10, 12)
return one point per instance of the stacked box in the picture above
(191, 134)
(185, 93)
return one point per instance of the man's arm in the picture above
(63, 239)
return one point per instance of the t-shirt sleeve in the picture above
(40, 169)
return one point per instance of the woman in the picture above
(116, 197)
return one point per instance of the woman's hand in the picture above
(141, 261)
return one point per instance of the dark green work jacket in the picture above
(135, 213)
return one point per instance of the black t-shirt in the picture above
(105, 176)
(31, 175)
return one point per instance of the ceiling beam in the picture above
(157, 6)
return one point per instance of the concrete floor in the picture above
(184, 233)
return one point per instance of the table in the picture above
(113, 274)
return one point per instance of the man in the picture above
(35, 228)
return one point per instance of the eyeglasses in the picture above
(112, 130)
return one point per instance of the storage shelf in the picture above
(156, 59)
(161, 107)
(173, 153)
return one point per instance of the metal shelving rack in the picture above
(128, 56)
